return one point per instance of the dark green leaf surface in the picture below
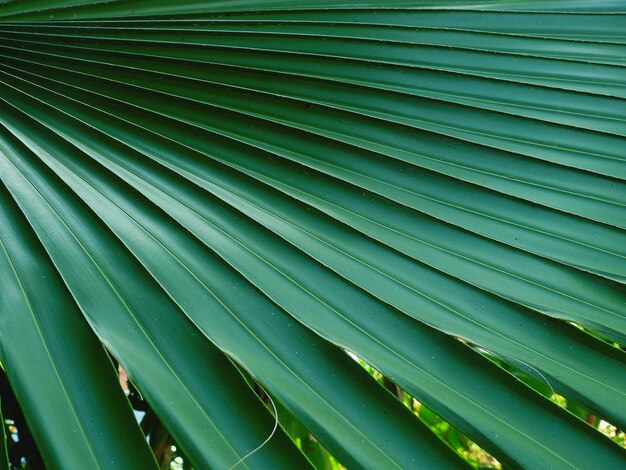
(275, 181)
(54, 362)
(244, 343)
(150, 322)
(243, 230)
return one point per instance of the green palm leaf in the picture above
(225, 194)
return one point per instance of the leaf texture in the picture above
(267, 184)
